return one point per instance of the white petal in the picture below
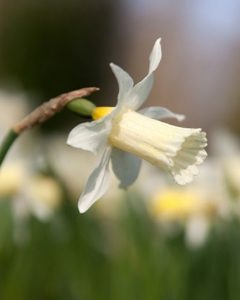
(97, 184)
(159, 113)
(155, 56)
(124, 80)
(90, 136)
(126, 167)
(141, 91)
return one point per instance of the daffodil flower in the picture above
(123, 136)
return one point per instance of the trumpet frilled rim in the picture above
(188, 156)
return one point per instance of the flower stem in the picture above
(47, 110)
(6, 144)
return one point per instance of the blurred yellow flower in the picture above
(179, 203)
(11, 179)
(43, 195)
(46, 190)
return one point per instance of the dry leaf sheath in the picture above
(48, 109)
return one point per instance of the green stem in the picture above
(6, 144)
(45, 111)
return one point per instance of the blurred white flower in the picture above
(43, 196)
(184, 206)
(197, 230)
(224, 144)
(232, 171)
(28, 192)
(226, 150)
(13, 107)
(121, 133)
(19, 179)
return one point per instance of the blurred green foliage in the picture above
(85, 257)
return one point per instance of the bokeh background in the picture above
(157, 240)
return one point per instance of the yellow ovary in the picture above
(100, 112)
